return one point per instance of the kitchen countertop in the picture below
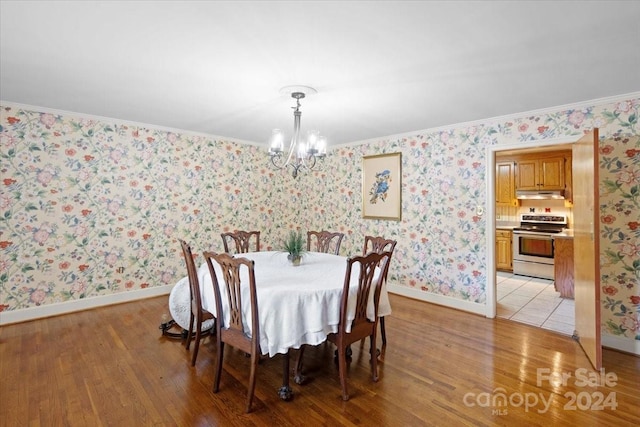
(506, 225)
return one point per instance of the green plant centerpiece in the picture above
(294, 244)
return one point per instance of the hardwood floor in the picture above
(111, 366)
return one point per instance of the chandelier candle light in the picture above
(301, 154)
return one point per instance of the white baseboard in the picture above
(472, 307)
(48, 310)
(621, 344)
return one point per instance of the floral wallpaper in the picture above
(620, 233)
(95, 207)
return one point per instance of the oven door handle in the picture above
(543, 236)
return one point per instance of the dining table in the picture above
(297, 305)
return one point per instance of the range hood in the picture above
(539, 194)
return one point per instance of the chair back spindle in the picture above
(324, 241)
(242, 241)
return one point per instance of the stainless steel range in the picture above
(533, 248)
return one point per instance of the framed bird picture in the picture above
(382, 186)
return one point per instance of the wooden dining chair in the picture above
(199, 316)
(242, 240)
(380, 244)
(361, 327)
(235, 333)
(325, 241)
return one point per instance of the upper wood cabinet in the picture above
(568, 180)
(541, 174)
(549, 170)
(505, 183)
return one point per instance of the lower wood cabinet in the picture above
(563, 266)
(504, 251)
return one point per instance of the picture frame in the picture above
(382, 186)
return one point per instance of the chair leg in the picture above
(342, 368)
(197, 344)
(383, 334)
(189, 334)
(374, 358)
(255, 357)
(219, 356)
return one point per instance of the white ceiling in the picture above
(380, 68)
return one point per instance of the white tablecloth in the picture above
(297, 305)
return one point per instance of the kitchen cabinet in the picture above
(546, 173)
(568, 180)
(506, 183)
(563, 266)
(504, 251)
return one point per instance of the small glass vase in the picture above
(295, 259)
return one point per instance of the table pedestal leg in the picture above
(298, 378)
(171, 324)
(285, 391)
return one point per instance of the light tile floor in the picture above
(534, 301)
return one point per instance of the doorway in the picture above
(519, 298)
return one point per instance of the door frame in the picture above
(490, 210)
